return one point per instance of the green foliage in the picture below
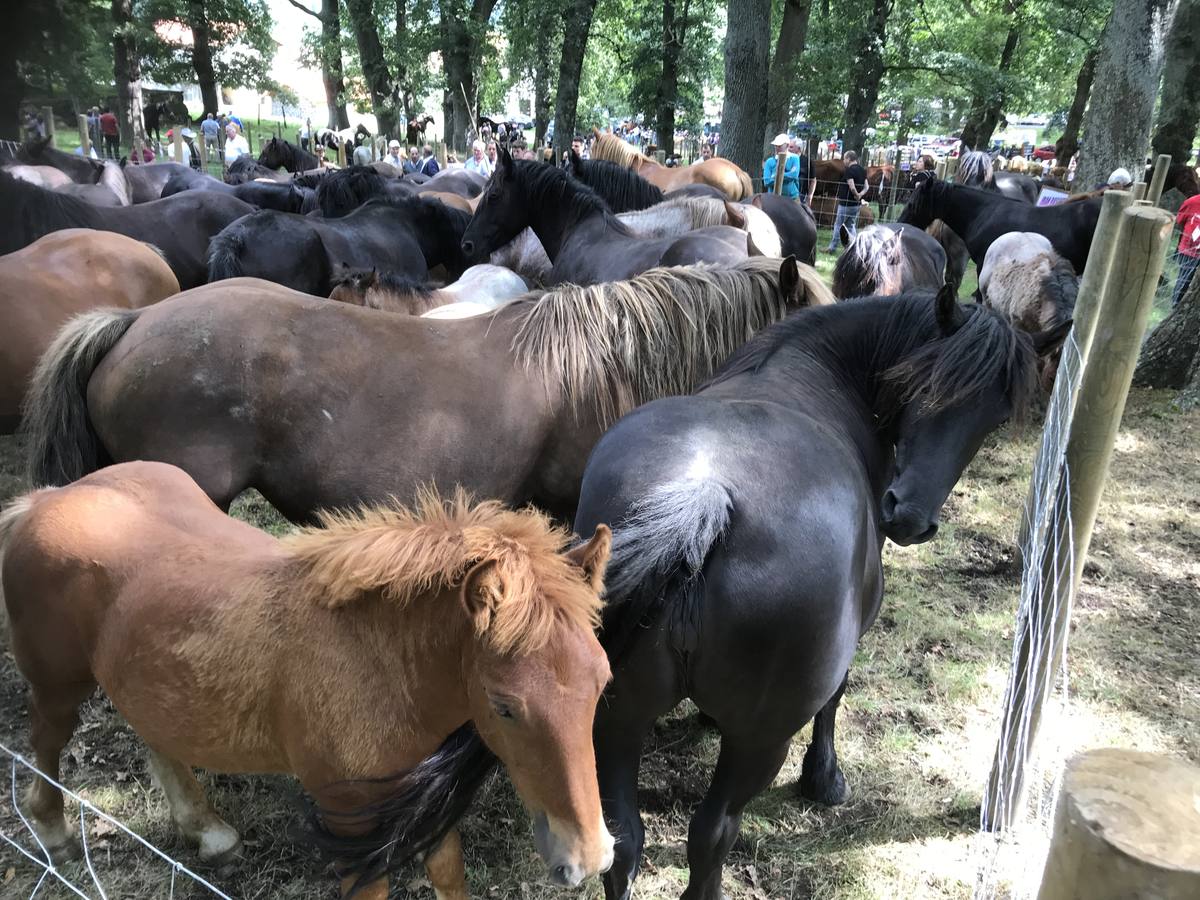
(239, 36)
(65, 48)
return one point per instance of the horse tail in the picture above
(224, 252)
(62, 444)
(747, 185)
(658, 554)
(419, 807)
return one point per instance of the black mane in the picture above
(623, 189)
(278, 152)
(246, 168)
(554, 188)
(31, 211)
(347, 189)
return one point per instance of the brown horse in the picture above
(62, 274)
(719, 173)
(344, 655)
(508, 404)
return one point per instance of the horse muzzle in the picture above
(905, 523)
(566, 868)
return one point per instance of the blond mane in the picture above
(617, 345)
(403, 553)
(613, 149)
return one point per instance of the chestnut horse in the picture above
(508, 404)
(720, 173)
(344, 655)
(59, 275)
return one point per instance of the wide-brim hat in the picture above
(780, 139)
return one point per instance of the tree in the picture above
(329, 52)
(747, 56)
(1179, 110)
(1170, 358)
(860, 108)
(536, 24)
(1065, 146)
(382, 87)
(577, 23)
(783, 78)
(127, 74)
(1116, 128)
(463, 32)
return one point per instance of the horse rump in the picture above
(224, 252)
(62, 444)
(427, 801)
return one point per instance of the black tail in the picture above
(62, 444)
(423, 804)
(225, 250)
(658, 554)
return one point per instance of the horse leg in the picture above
(618, 758)
(53, 715)
(192, 813)
(744, 768)
(821, 781)
(446, 870)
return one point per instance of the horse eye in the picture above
(502, 709)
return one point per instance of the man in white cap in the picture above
(1119, 180)
(393, 154)
(791, 169)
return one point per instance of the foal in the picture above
(344, 654)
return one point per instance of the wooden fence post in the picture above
(1159, 178)
(48, 118)
(202, 149)
(1099, 405)
(780, 162)
(85, 139)
(952, 167)
(1138, 190)
(341, 154)
(895, 180)
(1127, 826)
(939, 169)
(1099, 265)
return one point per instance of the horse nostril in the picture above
(561, 874)
(888, 505)
(468, 246)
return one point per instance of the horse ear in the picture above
(789, 280)
(592, 557)
(894, 248)
(1050, 341)
(595, 131)
(844, 234)
(505, 159)
(734, 216)
(949, 315)
(576, 163)
(756, 200)
(480, 593)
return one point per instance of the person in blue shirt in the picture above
(791, 169)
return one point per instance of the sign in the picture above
(1051, 197)
(905, 166)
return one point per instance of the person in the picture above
(362, 153)
(791, 169)
(189, 145)
(1119, 180)
(305, 133)
(706, 153)
(578, 147)
(1189, 246)
(112, 136)
(478, 162)
(924, 170)
(322, 162)
(236, 146)
(210, 129)
(429, 164)
(393, 157)
(93, 129)
(850, 198)
(412, 165)
(806, 182)
(186, 155)
(230, 117)
(491, 154)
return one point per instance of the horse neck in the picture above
(413, 304)
(554, 218)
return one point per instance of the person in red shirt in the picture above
(112, 137)
(1189, 246)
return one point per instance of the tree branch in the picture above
(303, 8)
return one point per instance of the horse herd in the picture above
(664, 373)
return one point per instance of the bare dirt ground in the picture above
(916, 735)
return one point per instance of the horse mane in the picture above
(704, 212)
(611, 148)
(246, 168)
(402, 553)
(36, 211)
(616, 345)
(623, 189)
(1061, 288)
(937, 373)
(975, 169)
(559, 189)
(865, 264)
(343, 190)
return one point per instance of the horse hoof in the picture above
(219, 846)
(65, 852)
(826, 791)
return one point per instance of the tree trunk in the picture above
(577, 23)
(1179, 110)
(747, 58)
(202, 56)
(1065, 146)
(860, 109)
(542, 93)
(460, 83)
(1116, 127)
(127, 74)
(12, 91)
(331, 65)
(667, 93)
(374, 66)
(406, 94)
(986, 111)
(1170, 358)
(783, 81)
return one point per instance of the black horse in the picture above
(585, 242)
(979, 217)
(180, 226)
(406, 235)
(153, 115)
(262, 194)
(415, 132)
(247, 168)
(794, 221)
(622, 189)
(975, 169)
(749, 519)
(345, 190)
(279, 154)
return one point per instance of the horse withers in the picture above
(346, 655)
(483, 288)
(749, 520)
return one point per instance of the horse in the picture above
(481, 288)
(262, 194)
(824, 210)
(57, 276)
(886, 260)
(957, 256)
(345, 190)
(975, 169)
(279, 154)
(720, 173)
(675, 217)
(795, 224)
(622, 189)
(246, 168)
(408, 235)
(585, 242)
(180, 226)
(111, 189)
(748, 525)
(829, 175)
(454, 201)
(361, 657)
(1028, 283)
(153, 115)
(41, 152)
(415, 131)
(519, 396)
(457, 181)
(1180, 176)
(979, 217)
(43, 176)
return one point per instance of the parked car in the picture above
(1044, 152)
